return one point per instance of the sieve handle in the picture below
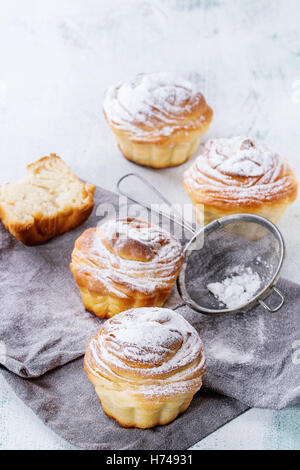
(182, 222)
(275, 309)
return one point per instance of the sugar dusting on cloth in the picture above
(221, 351)
(236, 289)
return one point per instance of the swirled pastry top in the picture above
(124, 256)
(152, 351)
(239, 171)
(153, 107)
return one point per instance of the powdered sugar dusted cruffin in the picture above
(125, 263)
(149, 352)
(239, 172)
(154, 106)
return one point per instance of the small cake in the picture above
(157, 119)
(48, 201)
(240, 175)
(146, 364)
(125, 263)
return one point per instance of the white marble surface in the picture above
(58, 56)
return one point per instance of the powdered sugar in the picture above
(222, 351)
(157, 346)
(240, 171)
(148, 343)
(238, 288)
(240, 156)
(151, 105)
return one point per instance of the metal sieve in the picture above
(216, 250)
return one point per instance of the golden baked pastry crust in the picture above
(240, 175)
(157, 120)
(125, 263)
(49, 201)
(146, 364)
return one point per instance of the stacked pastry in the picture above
(146, 365)
(157, 119)
(240, 175)
(125, 263)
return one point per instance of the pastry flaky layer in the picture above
(125, 263)
(48, 201)
(157, 119)
(146, 365)
(240, 175)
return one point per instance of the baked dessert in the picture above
(48, 201)
(125, 263)
(240, 175)
(146, 364)
(157, 119)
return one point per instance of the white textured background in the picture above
(56, 59)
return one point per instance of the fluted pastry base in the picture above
(159, 155)
(273, 213)
(208, 214)
(129, 412)
(106, 306)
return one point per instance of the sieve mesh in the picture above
(224, 247)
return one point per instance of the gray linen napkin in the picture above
(65, 400)
(43, 323)
(253, 357)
